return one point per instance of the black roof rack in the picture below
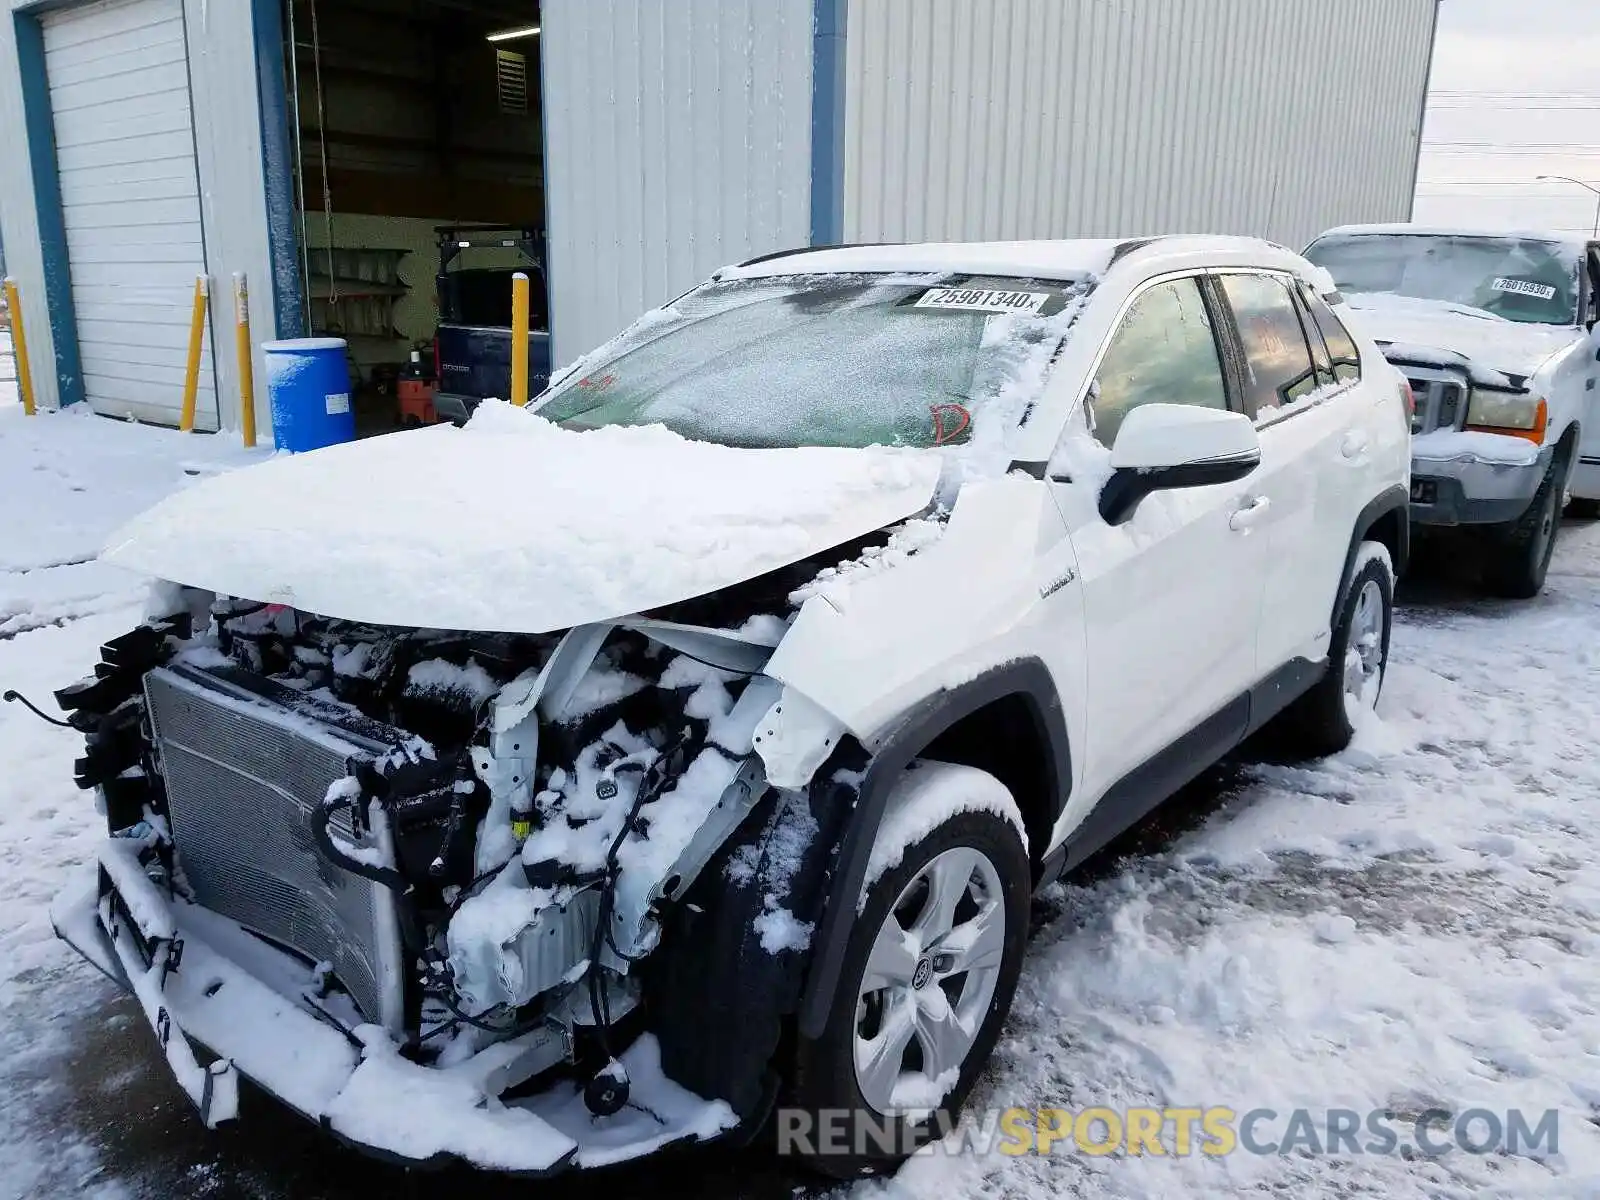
(761, 258)
(1128, 247)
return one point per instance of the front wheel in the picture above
(928, 977)
(1520, 557)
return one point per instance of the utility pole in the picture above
(1588, 187)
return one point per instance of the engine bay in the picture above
(529, 804)
(475, 841)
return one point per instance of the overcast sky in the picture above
(1515, 94)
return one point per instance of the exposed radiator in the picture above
(243, 777)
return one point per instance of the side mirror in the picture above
(1161, 446)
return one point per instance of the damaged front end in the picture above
(413, 883)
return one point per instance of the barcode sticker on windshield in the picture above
(990, 300)
(1525, 287)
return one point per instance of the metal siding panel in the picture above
(1273, 117)
(675, 144)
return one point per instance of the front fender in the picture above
(1026, 677)
(867, 652)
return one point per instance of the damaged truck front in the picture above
(420, 869)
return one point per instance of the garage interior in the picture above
(411, 116)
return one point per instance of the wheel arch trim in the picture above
(1027, 678)
(1393, 499)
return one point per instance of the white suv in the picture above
(541, 792)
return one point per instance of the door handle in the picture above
(1246, 515)
(1354, 444)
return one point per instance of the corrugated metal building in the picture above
(300, 141)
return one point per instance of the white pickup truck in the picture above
(1496, 332)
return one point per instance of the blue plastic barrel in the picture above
(308, 386)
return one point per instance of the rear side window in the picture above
(1341, 346)
(1278, 367)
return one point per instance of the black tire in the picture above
(1584, 508)
(1318, 723)
(824, 1079)
(1519, 557)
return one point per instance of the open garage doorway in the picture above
(418, 165)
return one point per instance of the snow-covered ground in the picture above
(1414, 924)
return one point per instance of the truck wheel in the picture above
(1520, 556)
(1322, 721)
(928, 977)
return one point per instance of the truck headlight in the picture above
(1499, 412)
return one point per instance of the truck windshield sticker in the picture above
(989, 300)
(1525, 287)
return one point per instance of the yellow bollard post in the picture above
(247, 386)
(197, 333)
(519, 339)
(19, 346)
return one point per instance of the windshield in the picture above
(1520, 279)
(827, 360)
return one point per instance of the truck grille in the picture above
(1441, 404)
(243, 777)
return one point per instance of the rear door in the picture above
(1173, 595)
(1296, 402)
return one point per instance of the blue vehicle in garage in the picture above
(472, 344)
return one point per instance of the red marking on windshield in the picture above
(942, 413)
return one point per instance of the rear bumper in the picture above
(1473, 491)
(354, 1083)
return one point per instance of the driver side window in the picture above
(1164, 352)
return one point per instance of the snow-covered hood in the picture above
(513, 525)
(1436, 333)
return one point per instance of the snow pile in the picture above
(415, 1113)
(904, 541)
(602, 685)
(933, 793)
(514, 525)
(781, 930)
(709, 701)
(772, 861)
(1019, 352)
(1450, 445)
(439, 677)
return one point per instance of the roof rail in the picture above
(761, 258)
(1128, 247)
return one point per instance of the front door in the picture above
(1171, 596)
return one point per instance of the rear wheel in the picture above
(1520, 556)
(929, 974)
(1323, 720)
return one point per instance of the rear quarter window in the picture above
(1341, 346)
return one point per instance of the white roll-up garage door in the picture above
(119, 91)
